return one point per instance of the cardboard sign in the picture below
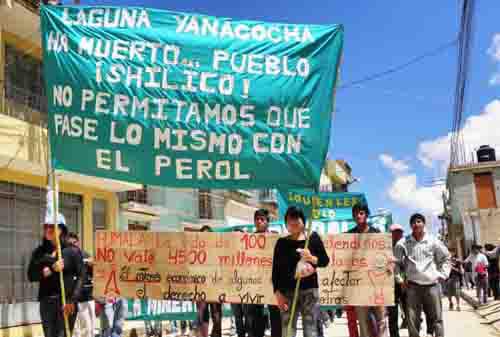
(235, 267)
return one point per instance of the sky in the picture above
(393, 131)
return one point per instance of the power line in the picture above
(414, 60)
(457, 148)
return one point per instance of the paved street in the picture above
(457, 324)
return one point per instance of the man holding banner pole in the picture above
(255, 313)
(45, 267)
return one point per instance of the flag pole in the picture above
(55, 207)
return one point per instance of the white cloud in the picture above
(477, 130)
(494, 50)
(434, 154)
(392, 164)
(495, 79)
(405, 191)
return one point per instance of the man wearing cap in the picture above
(397, 234)
(426, 262)
(360, 213)
(44, 268)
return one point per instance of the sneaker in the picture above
(458, 309)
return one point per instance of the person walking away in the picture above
(292, 260)
(397, 234)
(493, 272)
(44, 268)
(453, 282)
(352, 321)
(360, 213)
(85, 318)
(469, 276)
(113, 317)
(479, 264)
(426, 262)
(205, 310)
(256, 317)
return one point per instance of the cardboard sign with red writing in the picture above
(235, 267)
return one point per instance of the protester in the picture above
(469, 275)
(453, 283)
(255, 313)
(292, 259)
(479, 264)
(44, 268)
(240, 313)
(205, 310)
(360, 213)
(85, 319)
(397, 234)
(493, 272)
(426, 262)
(113, 317)
(352, 321)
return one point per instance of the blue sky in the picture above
(405, 116)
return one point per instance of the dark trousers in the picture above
(495, 287)
(216, 314)
(239, 312)
(393, 320)
(256, 320)
(393, 312)
(427, 298)
(52, 317)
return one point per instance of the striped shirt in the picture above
(425, 261)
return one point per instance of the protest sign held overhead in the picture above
(235, 267)
(321, 205)
(330, 212)
(164, 98)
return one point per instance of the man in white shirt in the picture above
(480, 271)
(426, 261)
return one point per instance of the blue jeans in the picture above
(113, 318)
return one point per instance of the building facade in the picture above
(87, 203)
(472, 209)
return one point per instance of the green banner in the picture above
(175, 99)
(322, 205)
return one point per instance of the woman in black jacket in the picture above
(287, 254)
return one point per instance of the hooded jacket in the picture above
(73, 273)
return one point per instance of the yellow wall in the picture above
(22, 44)
(34, 148)
(87, 193)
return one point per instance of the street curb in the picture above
(472, 301)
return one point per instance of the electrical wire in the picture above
(436, 51)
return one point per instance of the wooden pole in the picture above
(55, 207)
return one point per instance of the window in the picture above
(205, 204)
(24, 85)
(139, 196)
(23, 211)
(99, 211)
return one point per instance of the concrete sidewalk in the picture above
(489, 312)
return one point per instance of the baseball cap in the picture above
(396, 227)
